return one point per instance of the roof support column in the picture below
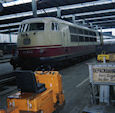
(34, 8)
(101, 36)
(96, 27)
(10, 36)
(1, 7)
(73, 19)
(58, 12)
(83, 22)
(91, 24)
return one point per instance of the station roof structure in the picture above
(97, 12)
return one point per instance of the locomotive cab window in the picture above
(26, 27)
(22, 28)
(36, 26)
(55, 26)
(31, 27)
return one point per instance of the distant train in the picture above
(108, 45)
(49, 40)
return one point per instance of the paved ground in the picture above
(75, 84)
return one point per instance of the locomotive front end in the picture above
(31, 39)
(40, 42)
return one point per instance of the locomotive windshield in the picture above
(31, 27)
(36, 26)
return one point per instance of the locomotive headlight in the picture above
(34, 33)
(42, 51)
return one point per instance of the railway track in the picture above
(4, 61)
(6, 79)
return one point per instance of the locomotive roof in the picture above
(53, 19)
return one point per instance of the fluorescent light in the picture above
(6, 30)
(48, 10)
(11, 24)
(16, 15)
(16, 3)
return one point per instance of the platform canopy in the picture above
(96, 12)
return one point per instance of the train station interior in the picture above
(57, 56)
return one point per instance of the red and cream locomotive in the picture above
(47, 40)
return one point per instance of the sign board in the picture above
(102, 74)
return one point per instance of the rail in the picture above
(6, 79)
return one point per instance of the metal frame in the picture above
(67, 7)
(104, 95)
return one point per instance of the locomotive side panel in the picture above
(55, 33)
(81, 41)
